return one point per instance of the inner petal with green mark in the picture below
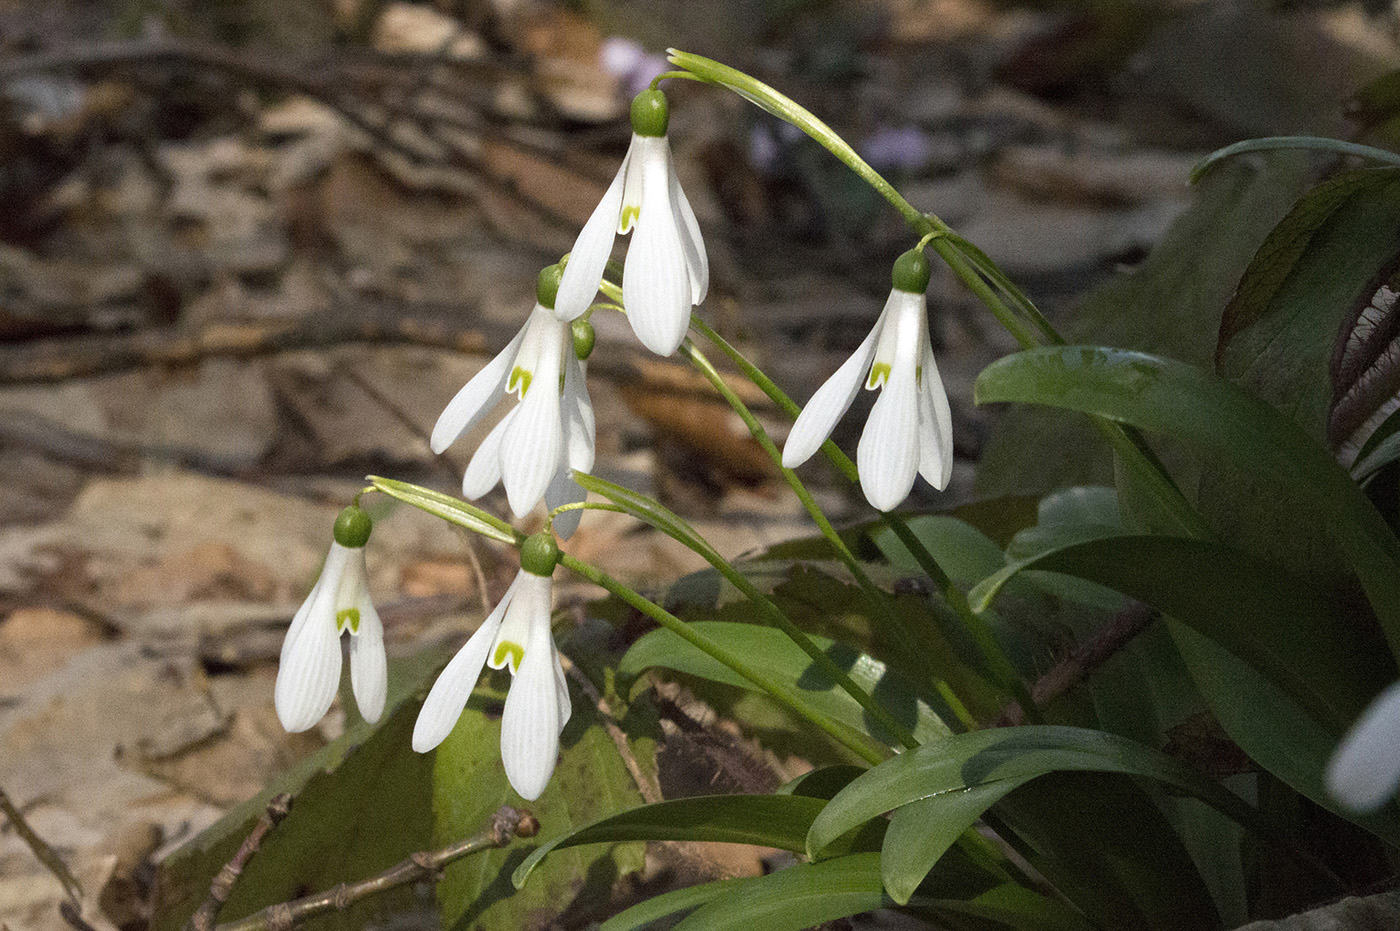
(519, 377)
(630, 214)
(879, 374)
(507, 649)
(348, 617)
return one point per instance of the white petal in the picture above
(580, 429)
(534, 598)
(830, 402)
(453, 687)
(484, 471)
(935, 425)
(476, 399)
(696, 261)
(655, 282)
(561, 687)
(888, 455)
(1365, 770)
(308, 671)
(591, 250)
(530, 724)
(532, 444)
(369, 677)
(564, 490)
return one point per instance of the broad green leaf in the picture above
(923, 830)
(1380, 449)
(1223, 420)
(1285, 627)
(361, 805)
(1279, 338)
(963, 551)
(1015, 754)
(1270, 727)
(590, 781)
(795, 898)
(780, 821)
(1016, 907)
(669, 903)
(1169, 304)
(771, 651)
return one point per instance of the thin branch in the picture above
(46, 854)
(1080, 664)
(647, 786)
(507, 823)
(208, 913)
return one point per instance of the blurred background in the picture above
(250, 248)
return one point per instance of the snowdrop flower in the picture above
(666, 271)
(308, 672)
(516, 636)
(910, 429)
(1364, 771)
(549, 432)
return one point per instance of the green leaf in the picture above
(1016, 907)
(780, 821)
(795, 898)
(1380, 449)
(361, 805)
(590, 781)
(1279, 339)
(669, 903)
(774, 653)
(1312, 143)
(978, 761)
(1284, 627)
(1208, 413)
(963, 551)
(1169, 304)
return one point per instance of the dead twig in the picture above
(507, 823)
(208, 912)
(1080, 664)
(646, 785)
(45, 853)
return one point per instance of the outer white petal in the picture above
(476, 399)
(697, 262)
(484, 471)
(1365, 770)
(888, 455)
(530, 724)
(532, 444)
(561, 687)
(369, 677)
(829, 404)
(453, 687)
(591, 250)
(655, 281)
(564, 490)
(580, 428)
(935, 424)
(308, 672)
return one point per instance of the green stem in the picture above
(860, 744)
(908, 637)
(976, 625)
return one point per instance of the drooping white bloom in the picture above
(308, 671)
(1364, 772)
(910, 429)
(667, 271)
(516, 636)
(548, 433)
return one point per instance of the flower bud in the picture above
(911, 272)
(650, 113)
(584, 339)
(539, 554)
(547, 285)
(352, 527)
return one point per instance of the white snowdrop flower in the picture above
(666, 271)
(549, 432)
(1364, 772)
(910, 430)
(516, 636)
(308, 672)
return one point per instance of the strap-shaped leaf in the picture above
(1209, 413)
